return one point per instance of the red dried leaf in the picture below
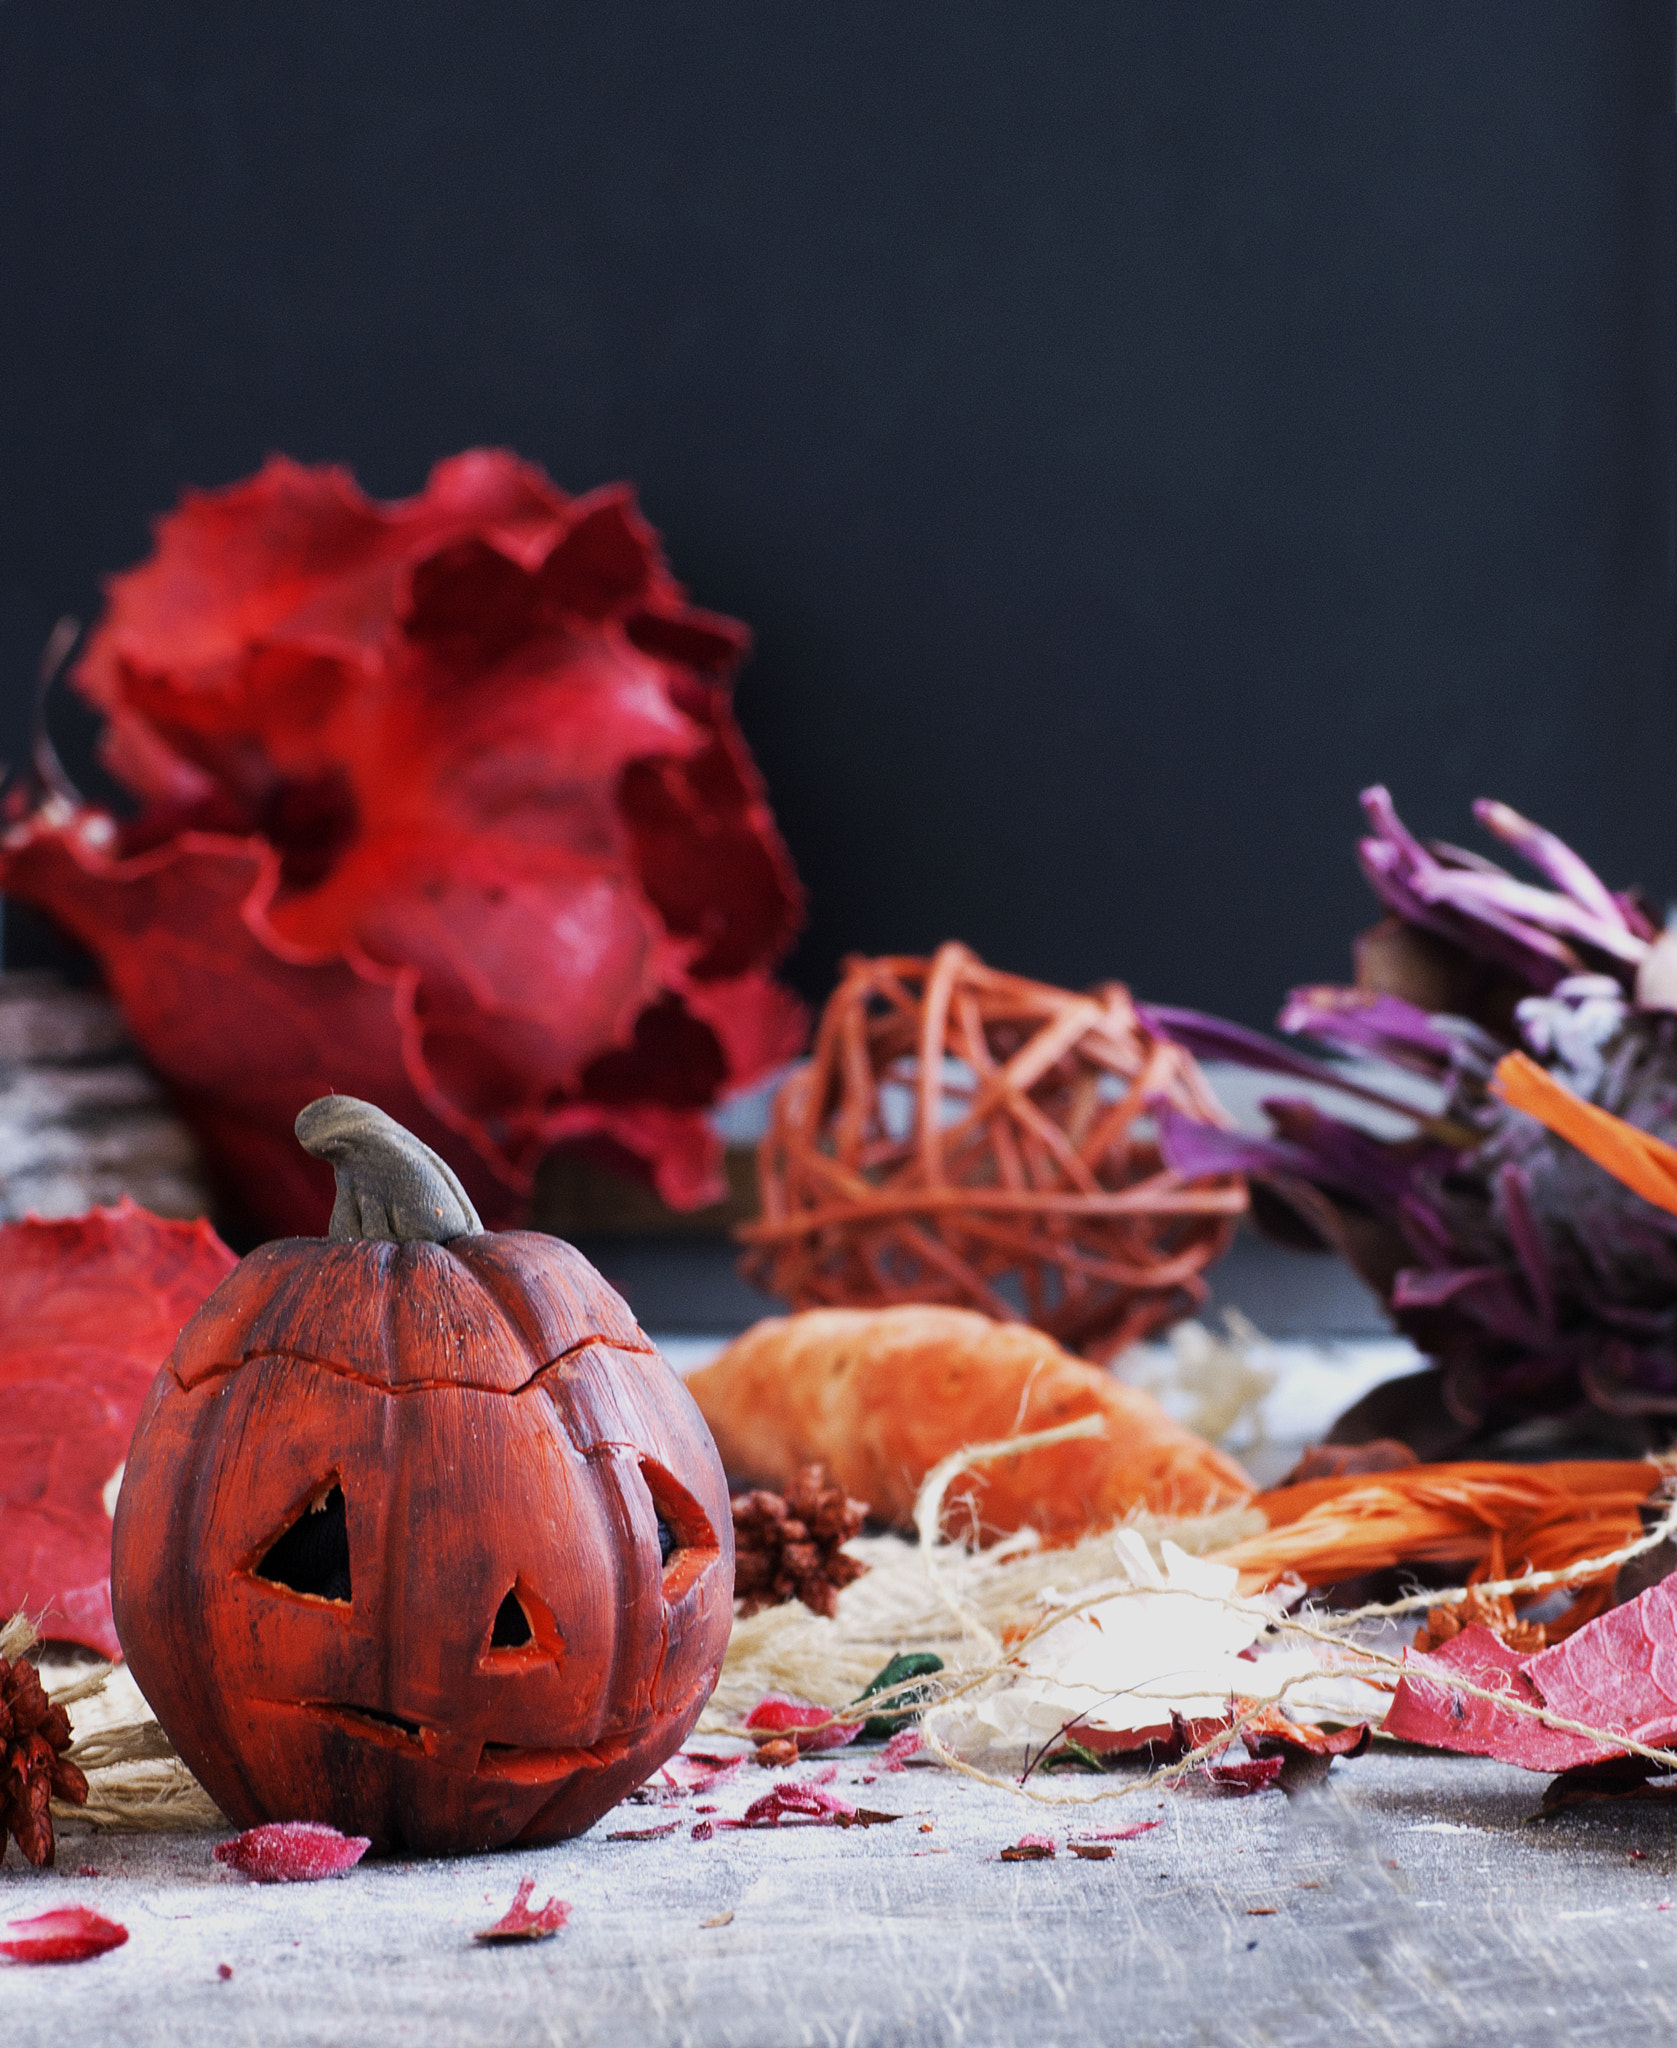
(444, 804)
(68, 1934)
(518, 1923)
(1091, 1852)
(1270, 1732)
(798, 1800)
(778, 1714)
(89, 1309)
(292, 1852)
(1618, 1672)
(1029, 1849)
(1258, 1775)
(1428, 1709)
(690, 1772)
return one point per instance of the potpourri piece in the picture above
(443, 803)
(791, 1546)
(67, 1934)
(1538, 1284)
(292, 1852)
(33, 1770)
(520, 1923)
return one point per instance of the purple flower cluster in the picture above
(1537, 1284)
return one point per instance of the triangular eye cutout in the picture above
(512, 1626)
(313, 1555)
(524, 1636)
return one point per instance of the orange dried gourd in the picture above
(420, 1537)
(881, 1396)
(977, 1139)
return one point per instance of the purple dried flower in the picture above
(1538, 1284)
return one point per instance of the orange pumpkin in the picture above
(419, 1535)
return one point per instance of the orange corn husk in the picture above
(1644, 1163)
(1541, 1517)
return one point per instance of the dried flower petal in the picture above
(903, 1745)
(518, 1923)
(799, 1800)
(68, 1934)
(778, 1714)
(292, 1852)
(1029, 1849)
(1255, 1776)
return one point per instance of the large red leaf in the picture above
(445, 793)
(89, 1309)
(1617, 1673)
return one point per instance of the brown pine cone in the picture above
(789, 1548)
(32, 1732)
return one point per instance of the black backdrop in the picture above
(1128, 427)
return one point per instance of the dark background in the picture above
(1129, 428)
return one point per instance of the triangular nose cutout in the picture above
(313, 1554)
(512, 1628)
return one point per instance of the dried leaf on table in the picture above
(67, 1934)
(1258, 1774)
(799, 1800)
(519, 1923)
(90, 1306)
(1029, 1849)
(1617, 1674)
(1305, 1752)
(442, 803)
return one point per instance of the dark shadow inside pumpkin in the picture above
(512, 1626)
(312, 1555)
(525, 1633)
(686, 1541)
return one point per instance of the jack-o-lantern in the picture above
(419, 1535)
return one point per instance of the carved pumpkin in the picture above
(419, 1535)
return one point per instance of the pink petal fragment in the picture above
(292, 1852)
(68, 1934)
(1119, 1834)
(799, 1800)
(904, 1744)
(518, 1923)
(777, 1713)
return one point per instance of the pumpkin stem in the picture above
(391, 1188)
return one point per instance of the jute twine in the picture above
(978, 1139)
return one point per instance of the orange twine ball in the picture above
(974, 1138)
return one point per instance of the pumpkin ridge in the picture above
(341, 1369)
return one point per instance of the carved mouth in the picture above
(393, 1730)
(514, 1764)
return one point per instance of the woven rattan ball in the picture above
(971, 1137)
